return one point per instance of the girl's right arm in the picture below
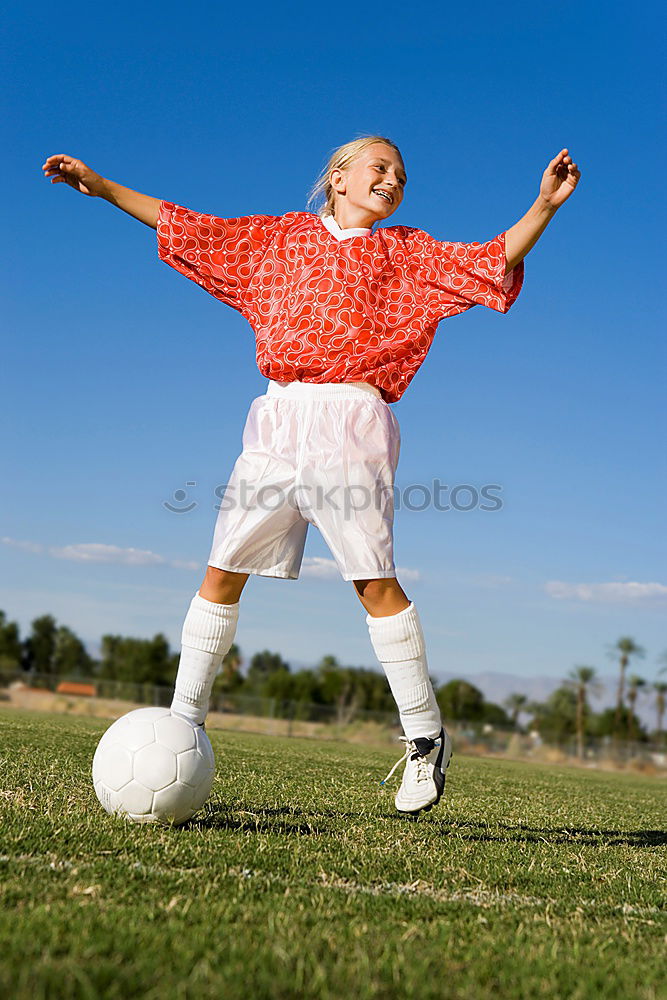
(61, 168)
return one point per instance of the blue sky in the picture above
(122, 381)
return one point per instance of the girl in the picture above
(343, 315)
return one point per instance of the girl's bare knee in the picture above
(382, 596)
(378, 587)
(222, 586)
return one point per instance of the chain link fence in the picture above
(273, 716)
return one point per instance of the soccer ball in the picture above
(153, 767)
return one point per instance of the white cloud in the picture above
(326, 569)
(26, 546)
(404, 573)
(98, 552)
(627, 592)
(185, 564)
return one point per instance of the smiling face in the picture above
(370, 188)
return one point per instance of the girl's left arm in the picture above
(558, 182)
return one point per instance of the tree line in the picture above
(567, 713)
(54, 651)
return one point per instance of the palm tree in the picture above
(232, 659)
(635, 683)
(583, 680)
(660, 688)
(229, 677)
(515, 703)
(624, 648)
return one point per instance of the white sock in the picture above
(208, 633)
(398, 641)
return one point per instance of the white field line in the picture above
(474, 896)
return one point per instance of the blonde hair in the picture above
(340, 159)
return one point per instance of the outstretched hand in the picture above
(65, 169)
(559, 179)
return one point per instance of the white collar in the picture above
(342, 234)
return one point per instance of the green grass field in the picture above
(298, 880)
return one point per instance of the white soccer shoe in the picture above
(426, 761)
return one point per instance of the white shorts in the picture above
(322, 454)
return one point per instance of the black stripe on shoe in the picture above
(424, 746)
(438, 773)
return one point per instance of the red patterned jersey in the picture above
(360, 309)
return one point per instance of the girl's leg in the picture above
(208, 633)
(382, 597)
(398, 640)
(222, 586)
